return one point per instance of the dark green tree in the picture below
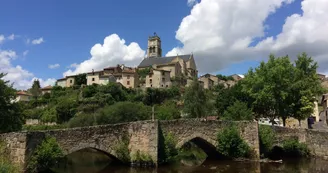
(81, 79)
(66, 109)
(167, 111)
(194, 100)
(269, 86)
(238, 112)
(36, 89)
(10, 112)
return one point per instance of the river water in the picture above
(86, 162)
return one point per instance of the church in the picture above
(164, 71)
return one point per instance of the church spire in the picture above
(154, 46)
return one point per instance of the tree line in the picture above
(278, 88)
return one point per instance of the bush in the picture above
(65, 110)
(123, 112)
(115, 90)
(122, 150)
(35, 113)
(167, 111)
(89, 91)
(267, 137)
(293, 148)
(49, 115)
(231, 145)
(45, 156)
(237, 112)
(82, 120)
(171, 153)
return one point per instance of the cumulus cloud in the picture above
(53, 66)
(220, 32)
(111, 52)
(21, 78)
(37, 41)
(2, 38)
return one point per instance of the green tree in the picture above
(269, 86)
(305, 86)
(230, 143)
(65, 110)
(267, 136)
(89, 91)
(237, 112)
(194, 100)
(10, 112)
(123, 112)
(46, 155)
(167, 111)
(81, 79)
(36, 89)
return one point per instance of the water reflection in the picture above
(89, 161)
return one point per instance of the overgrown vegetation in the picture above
(45, 156)
(230, 143)
(267, 136)
(122, 150)
(293, 148)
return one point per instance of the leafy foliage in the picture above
(267, 137)
(237, 112)
(194, 100)
(36, 89)
(171, 153)
(81, 79)
(122, 150)
(225, 78)
(66, 109)
(10, 112)
(46, 155)
(167, 111)
(5, 165)
(230, 143)
(293, 148)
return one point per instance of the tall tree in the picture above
(269, 86)
(195, 100)
(36, 89)
(10, 112)
(81, 79)
(305, 86)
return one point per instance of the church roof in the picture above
(161, 60)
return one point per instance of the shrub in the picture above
(293, 148)
(49, 115)
(89, 91)
(82, 120)
(230, 144)
(237, 112)
(45, 156)
(267, 137)
(122, 150)
(65, 110)
(170, 152)
(167, 111)
(5, 165)
(123, 112)
(35, 113)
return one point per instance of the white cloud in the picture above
(25, 52)
(113, 51)
(37, 41)
(21, 78)
(2, 38)
(53, 66)
(11, 37)
(191, 2)
(219, 32)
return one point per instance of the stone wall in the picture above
(316, 140)
(186, 130)
(15, 147)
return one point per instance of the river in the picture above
(93, 162)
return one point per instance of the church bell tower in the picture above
(154, 46)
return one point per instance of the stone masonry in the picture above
(143, 136)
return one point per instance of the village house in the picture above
(127, 76)
(165, 69)
(23, 96)
(207, 81)
(46, 89)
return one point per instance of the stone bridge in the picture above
(316, 140)
(142, 136)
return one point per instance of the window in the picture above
(163, 73)
(93, 79)
(150, 75)
(71, 81)
(151, 85)
(128, 82)
(128, 77)
(163, 79)
(162, 86)
(150, 81)
(167, 86)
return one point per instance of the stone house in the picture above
(158, 78)
(237, 77)
(46, 89)
(322, 77)
(22, 96)
(207, 81)
(61, 82)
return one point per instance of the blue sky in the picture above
(70, 29)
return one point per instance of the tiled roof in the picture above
(161, 60)
(23, 93)
(47, 88)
